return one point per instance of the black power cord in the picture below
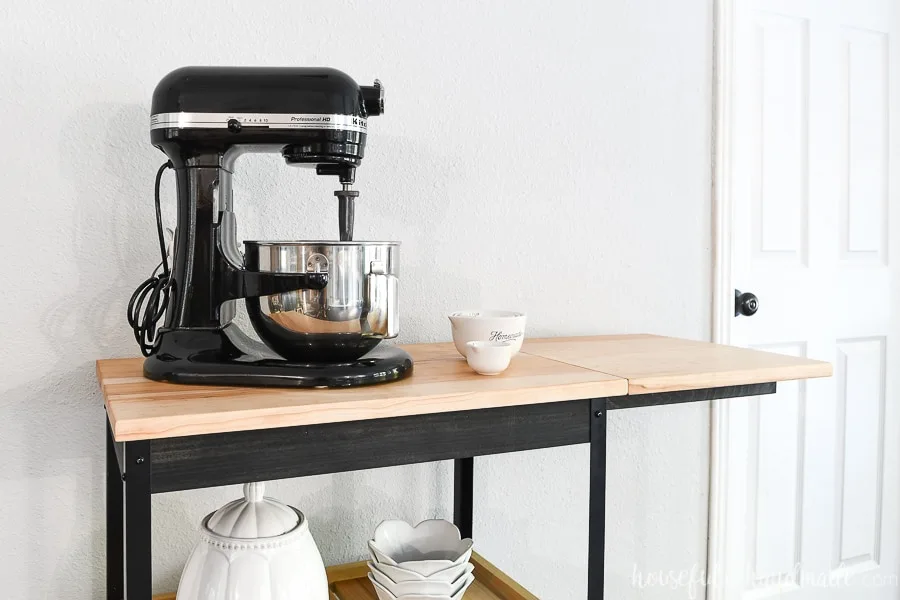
(149, 301)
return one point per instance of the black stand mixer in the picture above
(321, 307)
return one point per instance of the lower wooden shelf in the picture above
(349, 582)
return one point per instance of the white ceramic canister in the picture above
(254, 547)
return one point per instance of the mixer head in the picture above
(315, 117)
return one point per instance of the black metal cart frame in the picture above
(138, 469)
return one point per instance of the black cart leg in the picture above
(597, 516)
(137, 521)
(115, 563)
(463, 494)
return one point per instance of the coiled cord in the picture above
(151, 298)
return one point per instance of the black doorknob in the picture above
(745, 304)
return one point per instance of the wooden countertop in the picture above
(441, 382)
(653, 363)
(547, 370)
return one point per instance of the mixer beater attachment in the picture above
(346, 208)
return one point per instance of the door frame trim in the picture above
(723, 285)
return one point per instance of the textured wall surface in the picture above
(547, 156)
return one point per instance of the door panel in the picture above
(863, 97)
(777, 444)
(779, 177)
(860, 379)
(810, 495)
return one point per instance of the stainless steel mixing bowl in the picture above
(350, 316)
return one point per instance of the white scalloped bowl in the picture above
(427, 567)
(400, 575)
(434, 539)
(385, 594)
(423, 586)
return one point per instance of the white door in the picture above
(805, 503)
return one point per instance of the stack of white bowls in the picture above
(425, 562)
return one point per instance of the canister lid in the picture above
(253, 516)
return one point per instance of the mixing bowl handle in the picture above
(240, 283)
(382, 318)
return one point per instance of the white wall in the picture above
(550, 156)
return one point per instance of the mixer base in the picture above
(227, 356)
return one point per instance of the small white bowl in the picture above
(385, 594)
(400, 575)
(488, 358)
(488, 326)
(433, 539)
(425, 587)
(425, 567)
(429, 547)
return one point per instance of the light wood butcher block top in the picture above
(547, 370)
(653, 363)
(441, 382)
